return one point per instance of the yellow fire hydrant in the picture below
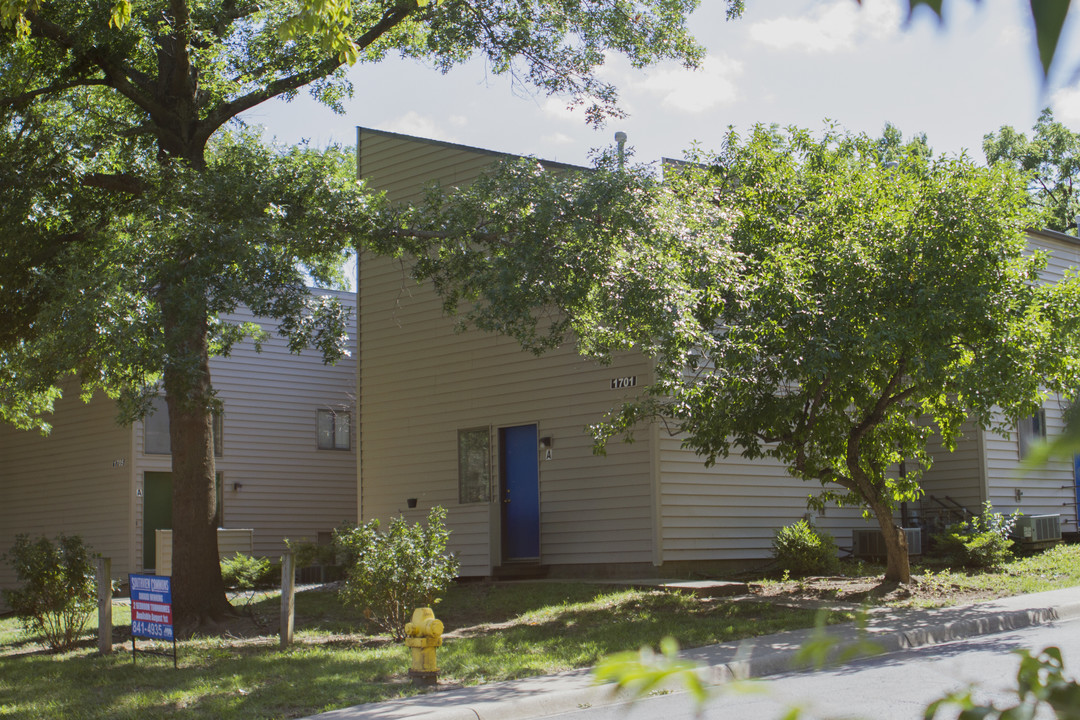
(422, 636)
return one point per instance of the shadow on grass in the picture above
(525, 649)
(210, 683)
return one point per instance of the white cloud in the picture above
(558, 108)
(425, 126)
(1066, 105)
(558, 139)
(835, 26)
(692, 91)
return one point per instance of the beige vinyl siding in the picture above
(77, 480)
(403, 166)
(1048, 489)
(1045, 490)
(422, 382)
(289, 488)
(958, 474)
(730, 511)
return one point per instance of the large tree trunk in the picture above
(198, 590)
(898, 567)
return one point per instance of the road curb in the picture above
(887, 641)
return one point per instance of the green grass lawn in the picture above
(494, 632)
(1058, 567)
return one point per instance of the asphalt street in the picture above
(895, 686)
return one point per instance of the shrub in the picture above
(982, 542)
(802, 550)
(244, 572)
(59, 593)
(307, 553)
(396, 571)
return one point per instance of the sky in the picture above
(791, 62)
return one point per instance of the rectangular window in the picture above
(156, 439)
(335, 430)
(474, 465)
(156, 429)
(1029, 431)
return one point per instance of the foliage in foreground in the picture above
(392, 573)
(1041, 686)
(1041, 683)
(58, 594)
(801, 549)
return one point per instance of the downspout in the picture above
(359, 364)
(984, 483)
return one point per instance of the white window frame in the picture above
(1030, 430)
(474, 478)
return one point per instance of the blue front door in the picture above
(520, 493)
(1076, 477)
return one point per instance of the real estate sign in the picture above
(151, 607)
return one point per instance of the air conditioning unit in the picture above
(1037, 529)
(867, 543)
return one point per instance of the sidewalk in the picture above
(889, 629)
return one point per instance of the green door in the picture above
(157, 512)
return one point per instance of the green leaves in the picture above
(121, 14)
(1050, 160)
(250, 229)
(647, 671)
(57, 595)
(390, 574)
(1049, 17)
(1041, 685)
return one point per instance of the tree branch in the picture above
(886, 400)
(114, 183)
(223, 113)
(132, 84)
(17, 102)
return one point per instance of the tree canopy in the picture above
(136, 216)
(1050, 159)
(800, 299)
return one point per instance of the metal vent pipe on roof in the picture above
(620, 138)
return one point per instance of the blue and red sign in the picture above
(151, 606)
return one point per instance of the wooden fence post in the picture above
(288, 595)
(104, 597)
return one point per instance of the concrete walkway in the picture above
(889, 629)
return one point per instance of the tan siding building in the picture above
(97, 479)
(646, 507)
